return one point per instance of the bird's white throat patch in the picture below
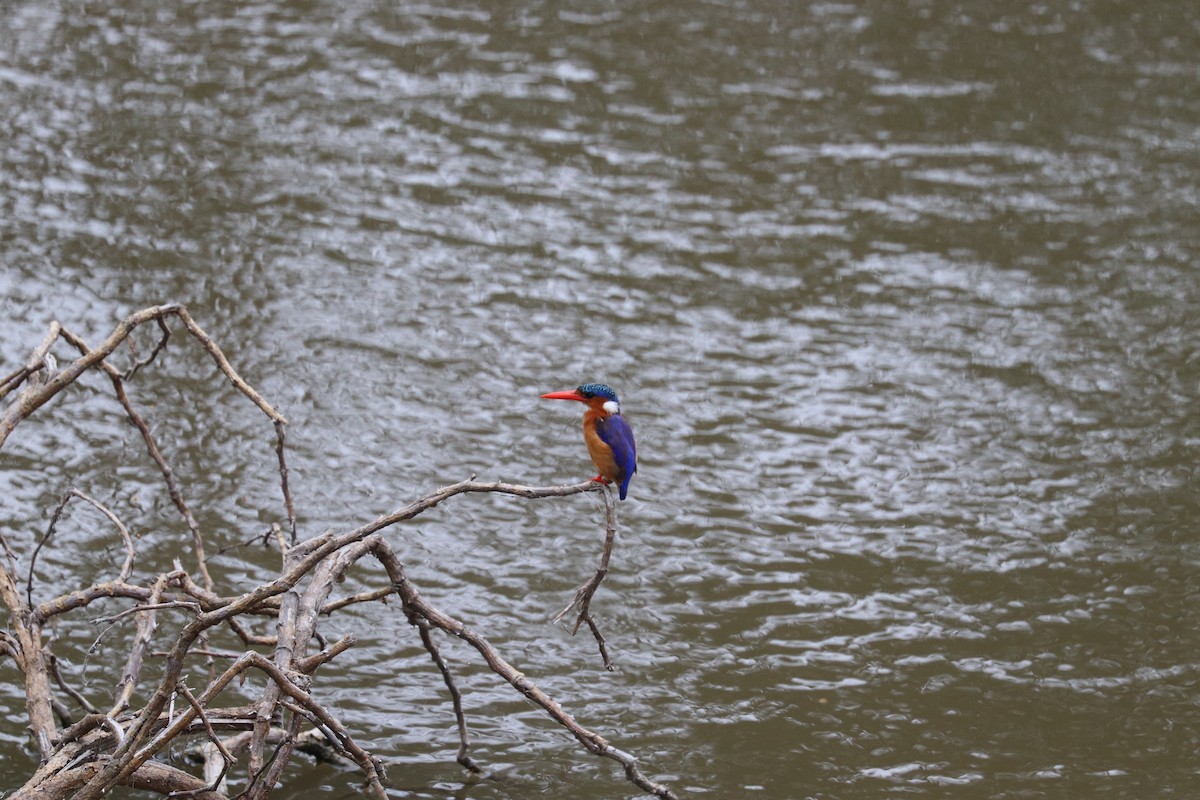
(611, 407)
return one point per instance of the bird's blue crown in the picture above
(590, 390)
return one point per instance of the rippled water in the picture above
(900, 299)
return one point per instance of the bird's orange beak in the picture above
(571, 395)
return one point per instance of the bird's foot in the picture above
(602, 479)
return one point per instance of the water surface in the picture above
(899, 298)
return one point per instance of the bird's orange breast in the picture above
(601, 453)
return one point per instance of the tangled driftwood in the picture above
(87, 750)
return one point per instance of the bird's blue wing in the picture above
(615, 432)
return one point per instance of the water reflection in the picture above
(900, 299)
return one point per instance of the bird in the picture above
(608, 437)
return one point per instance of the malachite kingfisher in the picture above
(608, 436)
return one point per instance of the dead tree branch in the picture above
(583, 596)
(124, 746)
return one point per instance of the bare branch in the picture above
(223, 363)
(309, 665)
(583, 597)
(591, 741)
(362, 597)
(215, 783)
(83, 597)
(152, 447)
(141, 640)
(455, 696)
(89, 723)
(89, 757)
(36, 361)
(126, 567)
(62, 684)
(34, 398)
(171, 782)
(159, 346)
(54, 518)
(249, 637)
(31, 660)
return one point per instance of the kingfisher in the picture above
(608, 437)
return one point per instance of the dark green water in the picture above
(900, 299)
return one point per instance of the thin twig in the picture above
(159, 346)
(168, 474)
(362, 597)
(149, 606)
(283, 477)
(62, 684)
(127, 566)
(226, 756)
(58, 510)
(423, 627)
(583, 596)
(600, 642)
